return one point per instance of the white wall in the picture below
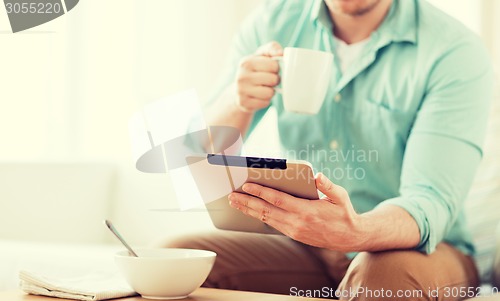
(492, 28)
(467, 11)
(481, 16)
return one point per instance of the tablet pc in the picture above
(216, 176)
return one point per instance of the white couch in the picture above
(51, 216)
(483, 203)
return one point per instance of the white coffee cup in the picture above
(305, 77)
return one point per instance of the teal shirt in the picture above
(404, 125)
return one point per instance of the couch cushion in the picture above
(483, 203)
(496, 266)
(55, 202)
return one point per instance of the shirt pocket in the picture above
(380, 124)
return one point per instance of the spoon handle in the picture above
(113, 230)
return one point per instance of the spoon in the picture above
(113, 230)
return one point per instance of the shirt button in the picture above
(334, 144)
(338, 98)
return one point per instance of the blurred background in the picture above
(68, 88)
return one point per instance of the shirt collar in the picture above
(319, 13)
(400, 24)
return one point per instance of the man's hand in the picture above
(329, 222)
(257, 76)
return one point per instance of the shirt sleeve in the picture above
(444, 147)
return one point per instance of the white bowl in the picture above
(165, 273)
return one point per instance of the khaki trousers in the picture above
(278, 264)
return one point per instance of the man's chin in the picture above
(353, 8)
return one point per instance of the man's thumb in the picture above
(334, 192)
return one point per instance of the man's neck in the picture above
(352, 29)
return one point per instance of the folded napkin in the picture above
(100, 286)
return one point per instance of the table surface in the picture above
(201, 294)
(495, 297)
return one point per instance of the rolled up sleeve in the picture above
(445, 144)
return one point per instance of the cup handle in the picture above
(279, 59)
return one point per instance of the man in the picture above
(411, 84)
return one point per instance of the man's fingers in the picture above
(276, 198)
(257, 74)
(258, 92)
(270, 49)
(254, 104)
(264, 78)
(334, 192)
(276, 224)
(256, 207)
(260, 63)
